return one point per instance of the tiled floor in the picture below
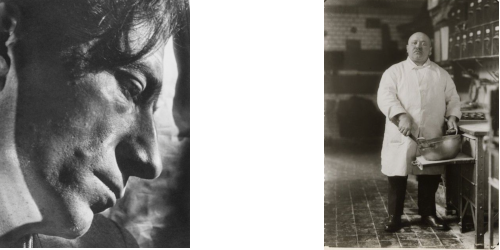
(355, 205)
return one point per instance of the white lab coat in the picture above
(427, 93)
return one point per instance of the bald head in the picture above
(420, 36)
(419, 48)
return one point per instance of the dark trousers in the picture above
(427, 187)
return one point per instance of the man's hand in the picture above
(404, 124)
(452, 122)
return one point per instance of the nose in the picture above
(138, 154)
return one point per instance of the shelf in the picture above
(474, 58)
(460, 159)
(479, 25)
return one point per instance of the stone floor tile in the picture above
(419, 229)
(369, 244)
(365, 226)
(361, 217)
(379, 222)
(344, 218)
(344, 213)
(330, 223)
(446, 235)
(344, 224)
(430, 242)
(347, 244)
(344, 205)
(345, 221)
(365, 237)
(363, 221)
(346, 238)
(388, 236)
(366, 231)
(455, 247)
(431, 236)
(389, 244)
(344, 232)
(381, 231)
(451, 242)
(330, 210)
(330, 232)
(409, 243)
(406, 236)
(330, 220)
(361, 212)
(330, 244)
(330, 238)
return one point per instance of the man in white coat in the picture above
(416, 96)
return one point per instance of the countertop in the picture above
(475, 128)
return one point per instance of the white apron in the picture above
(428, 96)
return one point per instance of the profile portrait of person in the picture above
(79, 84)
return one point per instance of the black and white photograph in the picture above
(411, 124)
(95, 123)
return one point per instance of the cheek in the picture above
(121, 109)
(69, 133)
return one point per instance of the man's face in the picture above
(419, 48)
(80, 140)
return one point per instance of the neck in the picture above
(419, 63)
(19, 212)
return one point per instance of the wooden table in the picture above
(473, 179)
(466, 179)
(492, 189)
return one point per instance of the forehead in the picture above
(419, 37)
(151, 65)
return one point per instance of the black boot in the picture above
(394, 223)
(435, 222)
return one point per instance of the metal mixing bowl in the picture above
(440, 148)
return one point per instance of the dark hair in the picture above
(103, 27)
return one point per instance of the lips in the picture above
(115, 187)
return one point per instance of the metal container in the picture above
(440, 148)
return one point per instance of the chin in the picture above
(80, 222)
(70, 224)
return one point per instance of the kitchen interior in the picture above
(362, 38)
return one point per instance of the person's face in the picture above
(419, 48)
(80, 140)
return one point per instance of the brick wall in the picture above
(375, 29)
(338, 29)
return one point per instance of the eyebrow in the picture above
(153, 84)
